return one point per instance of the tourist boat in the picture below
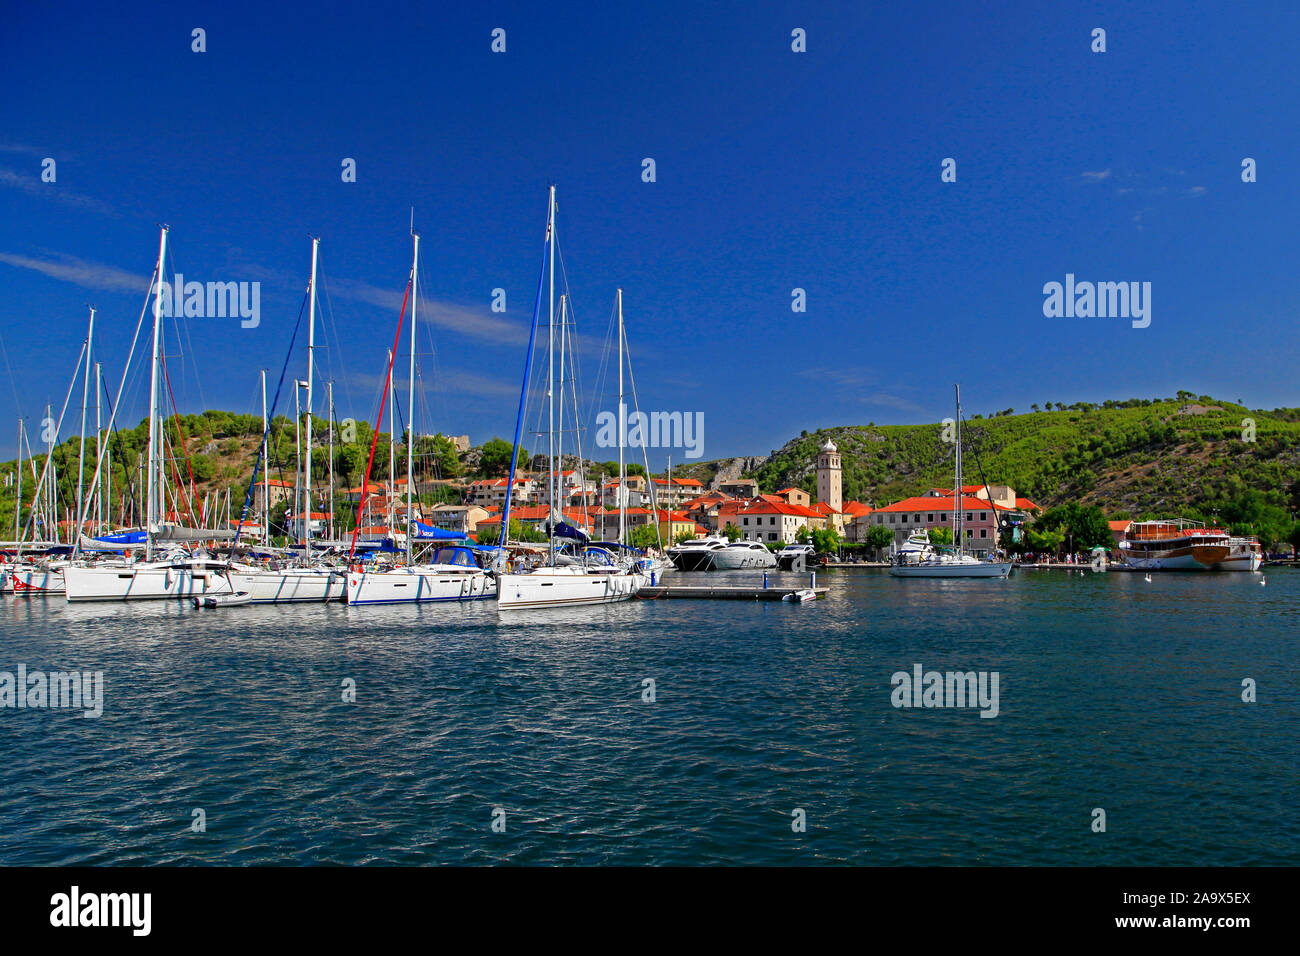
(697, 553)
(742, 554)
(955, 563)
(1180, 545)
(595, 581)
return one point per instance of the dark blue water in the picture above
(1114, 693)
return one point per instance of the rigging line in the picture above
(121, 449)
(338, 375)
(180, 430)
(116, 404)
(13, 384)
(188, 342)
(654, 498)
(523, 392)
(264, 443)
(383, 401)
(957, 492)
(50, 455)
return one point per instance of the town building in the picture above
(982, 515)
(740, 488)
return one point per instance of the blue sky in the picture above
(775, 170)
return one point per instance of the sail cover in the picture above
(562, 529)
(424, 532)
(113, 542)
(174, 532)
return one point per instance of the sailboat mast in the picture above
(297, 455)
(550, 374)
(311, 378)
(81, 454)
(392, 445)
(18, 495)
(155, 447)
(99, 454)
(330, 388)
(622, 432)
(956, 492)
(559, 435)
(410, 395)
(266, 482)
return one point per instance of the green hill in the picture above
(1186, 456)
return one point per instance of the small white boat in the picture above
(224, 599)
(798, 597)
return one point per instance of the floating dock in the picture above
(723, 592)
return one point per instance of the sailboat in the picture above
(914, 563)
(178, 573)
(555, 584)
(308, 580)
(453, 573)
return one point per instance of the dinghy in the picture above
(223, 599)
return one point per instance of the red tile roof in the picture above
(930, 503)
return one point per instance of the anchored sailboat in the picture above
(932, 563)
(453, 573)
(178, 573)
(555, 584)
(307, 580)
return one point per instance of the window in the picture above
(969, 532)
(984, 516)
(918, 519)
(771, 520)
(771, 536)
(984, 532)
(944, 516)
(969, 517)
(929, 518)
(904, 519)
(746, 521)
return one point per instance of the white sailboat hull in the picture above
(28, 581)
(417, 585)
(291, 585)
(955, 569)
(142, 584)
(561, 587)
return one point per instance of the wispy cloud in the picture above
(473, 321)
(32, 186)
(89, 275)
(863, 387)
(1096, 176)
